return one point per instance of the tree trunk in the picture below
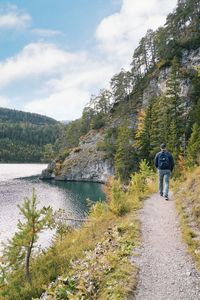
(27, 263)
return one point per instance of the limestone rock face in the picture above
(84, 163)
(157, 85)
(48, 173)
(191, 59)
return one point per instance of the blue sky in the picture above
(55, 54)
(76, 20)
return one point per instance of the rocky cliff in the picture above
(157, 85)
(84, 163)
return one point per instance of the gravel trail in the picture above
(167, 271)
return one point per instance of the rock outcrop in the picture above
(157, 85)
(84, 163)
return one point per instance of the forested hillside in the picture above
(27, 137)
(157, 100)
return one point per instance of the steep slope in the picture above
(190, 60)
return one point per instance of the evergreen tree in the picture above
(193, 148)
(121, 85)
(125, 155)
(150, 132)
(19, 250)
(195, 101)
(175, 108)
(143, 133)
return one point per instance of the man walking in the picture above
(164, 162)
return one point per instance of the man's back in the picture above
(164, 160)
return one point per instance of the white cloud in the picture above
(35, 59)
(69, 94)
(12, 18)
(63, 105)
(65, 80)
(118, 34)
(46, 32)
(4, 101)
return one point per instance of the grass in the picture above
(91, 262)
(187, 199)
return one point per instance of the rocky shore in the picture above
(87, 162)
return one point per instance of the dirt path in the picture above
(166, 270)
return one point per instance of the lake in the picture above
(17, 182)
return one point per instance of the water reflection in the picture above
(71, 196)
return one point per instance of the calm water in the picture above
(18, 180)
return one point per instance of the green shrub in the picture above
(117, 200)
(139, 184)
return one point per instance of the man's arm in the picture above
(171, 162)
(156, 161)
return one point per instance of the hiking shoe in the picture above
(161, 194)
(166, 198)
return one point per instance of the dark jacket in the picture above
(171, 160)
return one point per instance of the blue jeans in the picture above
(164, 175)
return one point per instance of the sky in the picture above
(55, 54)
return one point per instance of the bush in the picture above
(139, 184)
(117, 200)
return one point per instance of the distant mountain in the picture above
(27, 137)
(17, 116)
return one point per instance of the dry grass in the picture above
(187, 196)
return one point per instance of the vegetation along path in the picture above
(167, 271)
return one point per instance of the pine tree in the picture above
(124, 157)
(150, 132)
(175, 108)
(195, 101)
(193, 148)
(140, 132)
(158, 122)
(143, 133)
(121, 85)
(19, 249)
